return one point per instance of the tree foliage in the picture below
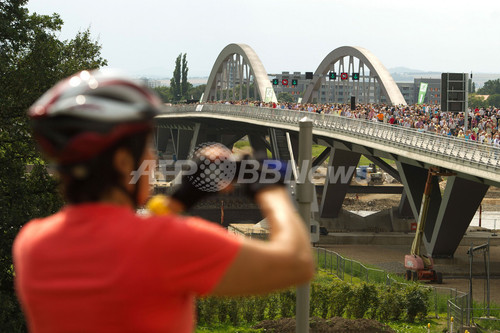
(179, 85)
(164, 93)
(184, 79)
(477, 101)
(285, 97)
(193, 92)
(491, 87)
(494, 100)
(32, 59)
(175, 81)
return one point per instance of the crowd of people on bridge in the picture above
(483, 123)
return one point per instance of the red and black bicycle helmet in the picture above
(87, 113)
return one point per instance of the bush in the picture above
(322, 299)
(341, 294)
(11, 317)
(415, 301)
(248, 309)
(273, 306)
(260, 307)
(329, 298)
(207, 310)
(233, 311)
(288, 303)
(390, 305)
(363, 301)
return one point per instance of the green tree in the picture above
(164, 93)
(476, 101)
(32, 59)
(175, 81)
(490, 87)
(184, 79)
(196, 92)
(472, 87)
(494, 100)
(285, 97)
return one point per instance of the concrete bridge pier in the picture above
(259, 145)
(460, 201)
(170, 142)
(162, 139)
(341, 167)
(183, 143)
(448, 214)
(404, 209)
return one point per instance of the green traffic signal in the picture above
(355, 76)
(332, 75)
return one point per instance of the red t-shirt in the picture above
(101, 268)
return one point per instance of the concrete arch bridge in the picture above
(238, 74)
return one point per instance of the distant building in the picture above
(433, 95)
(407, 90)
(338, 92)
(152, 83)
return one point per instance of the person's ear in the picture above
(123, 162)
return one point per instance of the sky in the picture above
(144, 37)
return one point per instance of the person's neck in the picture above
(117, 197)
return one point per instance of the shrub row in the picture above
(333, 299)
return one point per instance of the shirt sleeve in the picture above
(200, 253)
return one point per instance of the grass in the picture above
(437, 325)
(242, 144)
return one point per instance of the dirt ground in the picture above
(455, 272)
(318, 325)
(354, 202)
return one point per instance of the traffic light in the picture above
(284, 82)
(344, 76)
(295, 82)
(355, 76)
(332, 75)
(276, 82)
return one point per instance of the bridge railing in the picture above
(481, 156)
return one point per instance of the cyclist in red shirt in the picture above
(96, 266)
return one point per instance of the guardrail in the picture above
(450, 149)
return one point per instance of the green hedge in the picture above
(328, 299)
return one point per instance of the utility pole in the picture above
(304, 198)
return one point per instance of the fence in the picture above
(336, 264)
(441, 299)
(484, 319)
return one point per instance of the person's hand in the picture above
(255, 175)
(212, 168)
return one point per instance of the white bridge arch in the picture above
(363, 89)
(237, 74)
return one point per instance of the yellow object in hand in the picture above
(157, 205)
